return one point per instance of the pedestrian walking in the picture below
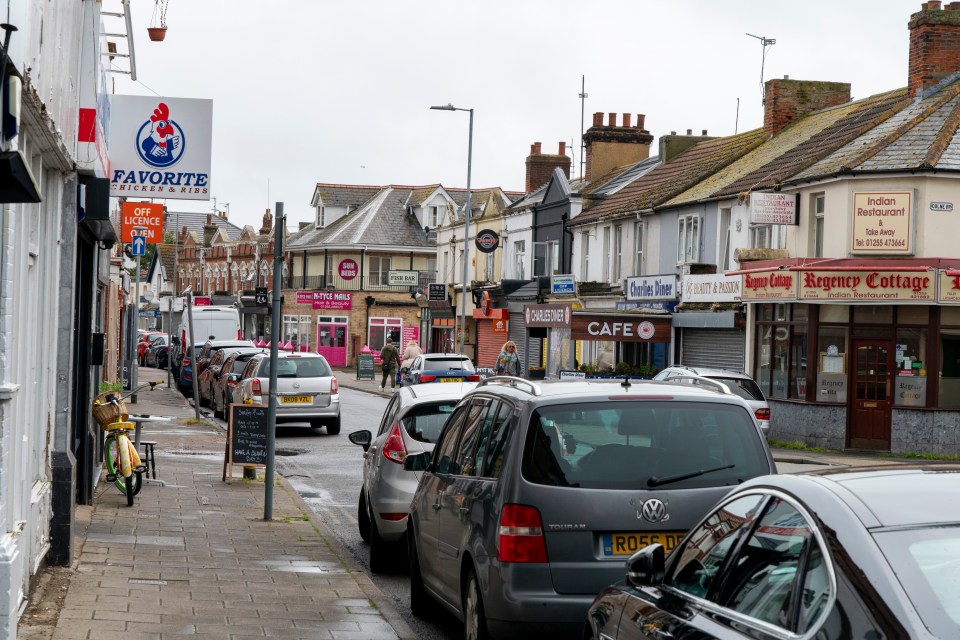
(606, 359)
(389, 359)
(410, 354)
(508, 362)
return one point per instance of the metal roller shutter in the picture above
(517, 331)
(719, 348)
(488, 343)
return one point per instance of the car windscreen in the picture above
(927, 563)
(743, 387)
(425, 421)
(635, 445)
(447, 364)
(300, 368)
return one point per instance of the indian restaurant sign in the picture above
(776, 284)
(868, 286)
(774, 208)
(882, 223)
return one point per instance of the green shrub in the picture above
(115, 387)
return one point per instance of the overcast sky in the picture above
(339, 91)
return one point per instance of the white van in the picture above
(209, 323)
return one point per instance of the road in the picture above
(326, 471)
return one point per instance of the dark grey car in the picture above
(537, 493)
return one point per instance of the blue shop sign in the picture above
(643, 288)
(660, 306)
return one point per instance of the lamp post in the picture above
(466, 223)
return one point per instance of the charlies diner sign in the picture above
(869, 286)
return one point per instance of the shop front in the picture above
(642, 337)
(709, 324)
(492, 330)
(859, 354)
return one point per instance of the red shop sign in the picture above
(348, 269)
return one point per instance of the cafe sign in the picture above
(769, 285)
(869, 286)
(882, 223)
(620, 328)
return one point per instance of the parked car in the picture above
(439, 367)
(537, 492)
(153, 347)
(738, 383)
(143, 344)
(209, 366)
(411, 423)
(228, 378)
(846, 553)
(306, 388)
(185, 373)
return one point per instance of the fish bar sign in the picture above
(769, 285)
(148, 215)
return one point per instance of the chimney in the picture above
(608, 147)
(303, 225)
(673, 145)
(209, 230)
(787, 100)
(934, 45)
(267, 224)
(540, 166)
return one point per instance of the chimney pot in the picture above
(704, 132)
(640, 120)
(209, 218)
(953, 6)
(673, 133)
(933, 5)
(598, 119)
(626, 120)
(786, 77)
(934, 45)
(611, 119)
(533, 149)
(563, 148)
(689, 132)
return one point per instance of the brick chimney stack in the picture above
(611, 146)
(209, 230)
(934, 45)
(540, 165)
(787, 100)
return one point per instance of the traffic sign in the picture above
(138, 245)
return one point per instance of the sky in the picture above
(339, 91)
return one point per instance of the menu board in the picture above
(248, 433)
(365, 370)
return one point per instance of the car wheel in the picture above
(213, 403)
(363, 518)
(419, 605)
(333, 426)
(379, 549)
(474, 619)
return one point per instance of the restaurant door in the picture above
(870, 411)
(332, 339)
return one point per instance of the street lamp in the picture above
(466, 223)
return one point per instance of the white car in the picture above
(738, 383)
(307, 390)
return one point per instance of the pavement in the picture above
(194, 557)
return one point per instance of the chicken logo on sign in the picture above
(160, 141)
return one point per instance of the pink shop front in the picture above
(858, 353)
(326, 330)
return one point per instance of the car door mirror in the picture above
(417, 462)
(645, 568)
(361, 438)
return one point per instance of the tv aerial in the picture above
(764, 42)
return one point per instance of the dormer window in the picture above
(434, 216)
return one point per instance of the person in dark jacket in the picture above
(389, 359)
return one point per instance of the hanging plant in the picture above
(158, 23)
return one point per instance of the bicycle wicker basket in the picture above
(107, 412)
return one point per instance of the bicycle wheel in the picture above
(112, 460)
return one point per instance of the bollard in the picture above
(249, 472)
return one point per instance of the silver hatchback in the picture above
(738, 383)
(411, 424)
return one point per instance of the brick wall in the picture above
(540, 166)
(787, 100)
(934, 45)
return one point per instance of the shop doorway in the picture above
(871, 401)
(332, 339)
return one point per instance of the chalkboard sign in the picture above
(246, 436)
(365, 367)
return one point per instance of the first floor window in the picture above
(688, 238)
(378, 270)
(638, 238)
(382, 328)
(617, 251)
(606, 254)
(546, 258)
(819, 208)
(491, 262)
(519, 257)
(585, 255)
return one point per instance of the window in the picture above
(378, 270)
(389, 415)
(472, 442)
(606, 254)
(639, 233)
(498, 439)
(724, 252)
(434, 217)
(688, 238)
(445, 275)
(617, 252)
(444, 459)
(381, 329)
(707, 547)
(767, 236)
(519, 257)
(585, 255)
(818, 208)
(490, 266)
(431, 266)
(425, 421)
(546, 258)
(780, 366)
(291, 328)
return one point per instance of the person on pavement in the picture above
(508, 362)
(409, 355)
(389, 359)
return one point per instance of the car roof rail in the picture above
(511, 381)
(705, 382)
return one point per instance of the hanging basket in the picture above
(157, 34)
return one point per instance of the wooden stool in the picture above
(150, 457)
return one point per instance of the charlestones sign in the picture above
(487, 241)
(556, 316)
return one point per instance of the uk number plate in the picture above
(296, 399)
(451, 379)
(626, 544)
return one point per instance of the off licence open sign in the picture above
(142, 214)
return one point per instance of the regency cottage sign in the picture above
(869, 286)
(769, 285)
(882, 223)
(949, 290)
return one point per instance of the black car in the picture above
(852, 553)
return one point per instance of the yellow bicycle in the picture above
(124, 467)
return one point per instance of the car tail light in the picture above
(393, 516)
(393, 448)
(334, 386)
(427, 378)
(472, 378)
(255, 386)
(521, 535)
(231, 383)
(239, 335)
(762, 414)
(186, 361)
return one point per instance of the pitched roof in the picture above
(194, 222)
(339, 195)
(667, 180)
